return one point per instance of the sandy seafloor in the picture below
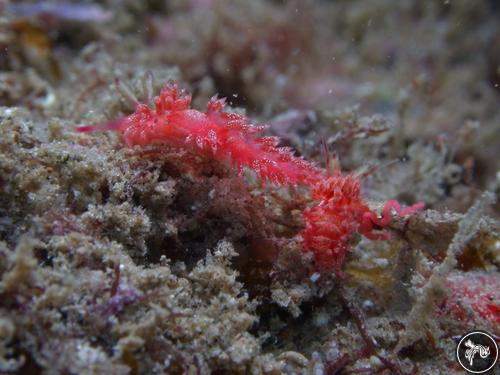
(145, 260)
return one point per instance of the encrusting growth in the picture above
(339, 210)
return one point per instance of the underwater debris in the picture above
(424, 306)
(79, 12)
(370, 342)
(29, 44)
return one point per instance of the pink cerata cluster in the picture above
(339, 210)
